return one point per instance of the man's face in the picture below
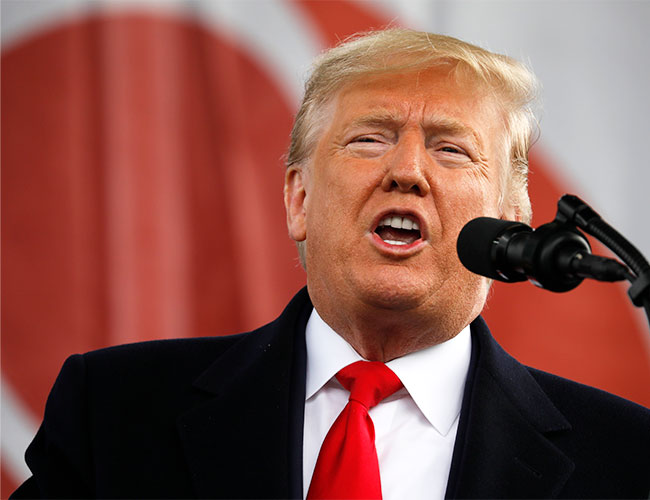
(403, 162)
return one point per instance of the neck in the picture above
(381, 334)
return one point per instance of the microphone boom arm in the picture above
(572, 210)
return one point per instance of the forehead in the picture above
(432, 95)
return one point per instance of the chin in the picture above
(460, 296)
(393, 294)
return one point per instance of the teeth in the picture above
(393, 242)
(399, 222)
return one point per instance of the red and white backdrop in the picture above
(142, 171)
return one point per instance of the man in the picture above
(402, 138)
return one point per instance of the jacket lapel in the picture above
(242, 440)
(504, 447)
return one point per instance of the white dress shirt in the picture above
(415, 428)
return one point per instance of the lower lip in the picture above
(401, 250)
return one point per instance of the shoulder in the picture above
(592, 417)
(127, 372)
(151, 367)
(178, 362)
(603, 437)
(113, 406)
(180, 354)
(572, 398)
(608, 440)
(593, 406)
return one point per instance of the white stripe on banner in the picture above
(18, 427)
(22, 19)
(274, 32)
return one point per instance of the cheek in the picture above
(328, 217)
(466, 198)
(478, 194)
(483, 189)
(345, 186)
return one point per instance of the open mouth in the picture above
(400, 230)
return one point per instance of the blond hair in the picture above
(398, 50)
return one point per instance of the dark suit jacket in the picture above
(222, 417)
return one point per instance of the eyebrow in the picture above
(379, 119)
(449, 125)
(392, 120)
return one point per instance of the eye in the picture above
(450, 154)
(365, 139)
(368, 145)
(452, 149)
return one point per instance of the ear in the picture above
(294, 202)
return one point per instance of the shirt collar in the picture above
(434, 377)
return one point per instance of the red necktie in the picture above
(347, 465)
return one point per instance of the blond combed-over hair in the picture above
(398, 50)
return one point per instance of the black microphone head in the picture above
(476, 245)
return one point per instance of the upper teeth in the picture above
(399, 222)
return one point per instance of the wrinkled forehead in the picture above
(425, 95)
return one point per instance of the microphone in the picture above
(555, 256)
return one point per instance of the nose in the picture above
(406, 169)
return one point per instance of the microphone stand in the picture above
(574, 212)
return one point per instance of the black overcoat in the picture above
(222, 417)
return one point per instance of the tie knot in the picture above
(369, 382)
